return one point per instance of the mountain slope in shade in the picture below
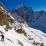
(17, 32)
(36, 19)
(24, 12)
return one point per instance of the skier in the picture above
(2, 37)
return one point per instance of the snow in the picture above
(36, 34)
(2, 8)
(14, 37)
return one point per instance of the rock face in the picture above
(5, 18)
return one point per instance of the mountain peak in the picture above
(19, 6)
(22, 5)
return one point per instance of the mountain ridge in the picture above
(31, 17)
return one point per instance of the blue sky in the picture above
(35, 4)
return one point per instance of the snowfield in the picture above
(12, 38)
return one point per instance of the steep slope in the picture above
(33, 37)
(5, 18)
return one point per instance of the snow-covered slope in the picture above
(12, 38)
(17, 32)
